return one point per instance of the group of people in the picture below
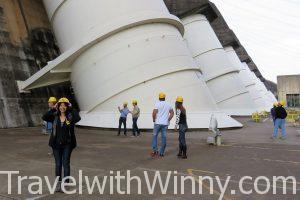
(162, 115)
(123, 118)
(279, 115)
(61, 118)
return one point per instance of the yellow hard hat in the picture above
(282, 103)
(179, 99)
(52, 100)
(125, 103)
(63, 100)
(134, 101)
(162, 95)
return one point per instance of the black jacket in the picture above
(69, 127)
(280, 113)
(273, 112)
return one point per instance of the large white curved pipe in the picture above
(266, 94)
(220, 75)
(139, 51)
(250, 83)
(267, 105)
(244, 75)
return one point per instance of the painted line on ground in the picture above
(190, 172)
(187, 174)
(67, 196)
(8, 197)
(262, 148)
(265, 119)
(270, 160)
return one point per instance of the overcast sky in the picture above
(269, 30)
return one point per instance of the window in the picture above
(293, 100)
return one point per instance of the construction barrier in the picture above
(256, 117)
(293, 116)
(264, 114)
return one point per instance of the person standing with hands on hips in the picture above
(162, 115)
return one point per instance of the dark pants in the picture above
(135, 128)
(182, 143)
(122, 120)
(62, 157)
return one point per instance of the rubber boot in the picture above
(184, 156)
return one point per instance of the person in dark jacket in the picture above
(181, 125)
(62, 139)
(280, 115)
(273, 112)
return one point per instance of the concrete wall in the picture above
(289, 84)
(26, 45)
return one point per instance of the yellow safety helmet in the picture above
(125, 103)
(282, 103)
(179, 99)
(134, 101)
(64, 100)
(52, 100)
(162, 95)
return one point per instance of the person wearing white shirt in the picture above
(162, 115)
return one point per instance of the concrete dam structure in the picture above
(130, 56)
(134, 52)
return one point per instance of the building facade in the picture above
(289, 90)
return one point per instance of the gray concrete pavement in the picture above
(246, 152)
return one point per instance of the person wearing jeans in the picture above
(162, 115)
(181, 123)
(163, 130)
(62, 138)
(279, 123)
(62, 159)
(123, 118)
(47, 130)
(135, 116)
(280, 115)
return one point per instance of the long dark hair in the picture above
(178, 105)
(67, 111)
